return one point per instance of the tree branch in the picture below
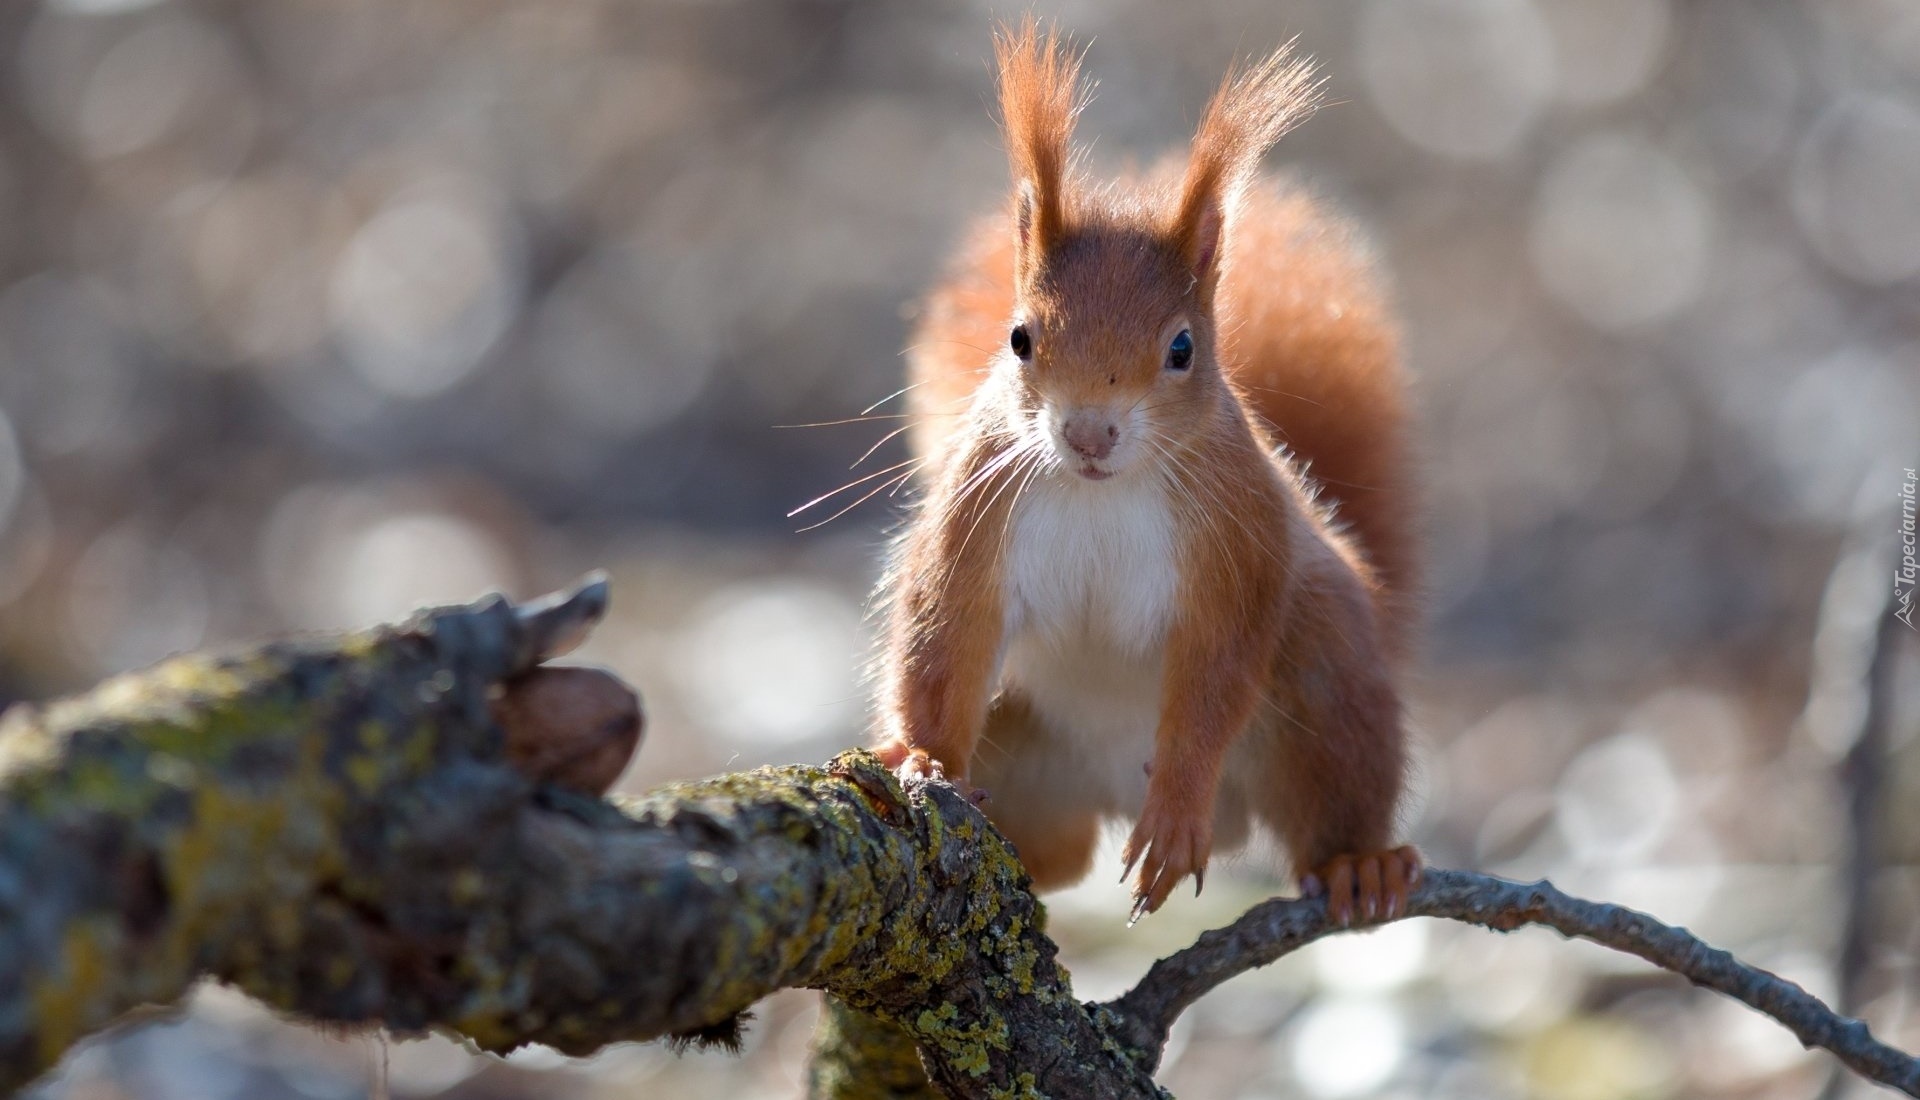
(1281, 926)
(390, 826)
(1851, 702)
(338, 828)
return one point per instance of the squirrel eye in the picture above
(1180, 352)
(1021, 344)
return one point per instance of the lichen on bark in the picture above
(219, 814)
(857, 1056)
(336, 827)
(402, 826)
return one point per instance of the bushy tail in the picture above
(1311, 343)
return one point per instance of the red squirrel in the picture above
(1160, 570)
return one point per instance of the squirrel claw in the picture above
(1139, 910)
(914, 765)
(1167, 846)
(1368, 888)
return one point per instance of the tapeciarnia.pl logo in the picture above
(1907, 572)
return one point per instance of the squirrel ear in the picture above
(1201, 231)
(1040, 96)
(1026, 212)
(1252, 109)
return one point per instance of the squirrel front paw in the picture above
(1169, 843)
(914, 765)
(1372, 886)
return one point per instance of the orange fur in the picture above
(1040, 97)
(1122, 596)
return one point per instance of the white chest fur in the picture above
(1092, 578)
(1093, 561)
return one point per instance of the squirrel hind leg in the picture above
(1056, 849)
(1331, 798)
(1053, 825)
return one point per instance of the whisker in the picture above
(853, 484)
(863, 418)
(884, 440)
(1014, 504)
(986, 471)
(988, 352)
(1265, 699)
(1284, 393)
(1215, 510)
(869, 495)
(1026, 454)
(902, 390)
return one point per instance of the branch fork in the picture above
(402, 826)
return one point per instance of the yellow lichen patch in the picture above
(66, 1002)
(362, 645)
(226, 859)
(963, 1045)
(1109, 1027)
(416, 753)
(228, 834)
(486, 1030)
(1025, 1087)
(195, 676)
(832, 877)
(1020, 969)
(858, 1056)
(365, 772)
(240, 784)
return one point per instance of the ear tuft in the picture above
(1040, 98)
(1253, 109)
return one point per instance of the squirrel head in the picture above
(1113, 341)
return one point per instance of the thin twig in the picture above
(1278, 927)
(355, 803)
(1850, 705)
(1861, 771)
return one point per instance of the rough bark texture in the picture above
(344, 829)
(334, 827)
(305, 820)
(1281, 926)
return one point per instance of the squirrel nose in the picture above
(1090, 436)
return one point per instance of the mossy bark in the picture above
(858, 1056)
(343, 828)
(335, 828)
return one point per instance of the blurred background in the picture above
(314, 311)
